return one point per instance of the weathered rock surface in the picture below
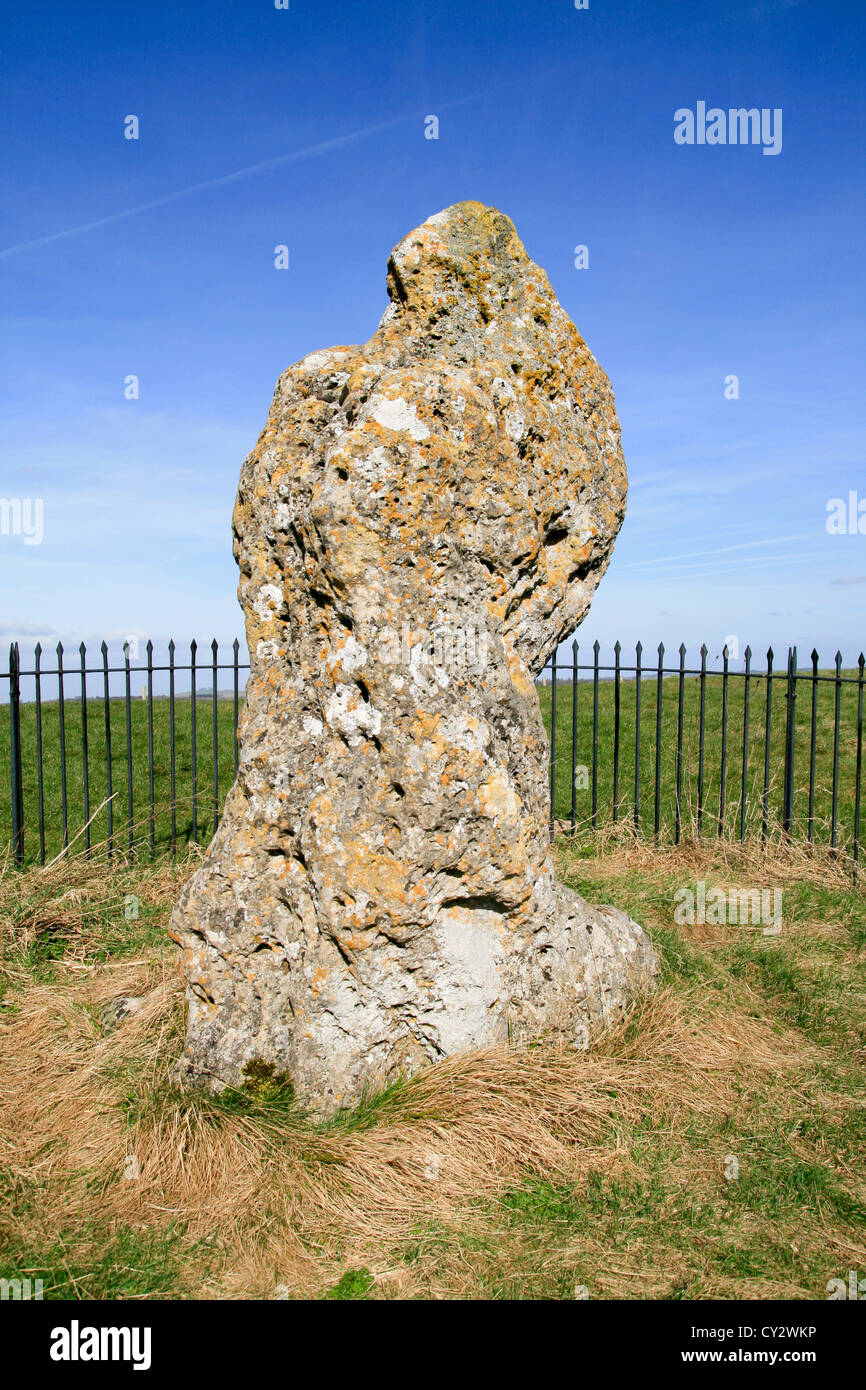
(422, 520)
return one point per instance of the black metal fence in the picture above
(799, 758)
(665, 749)
(106, 756)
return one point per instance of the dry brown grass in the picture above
(617, 850)
(288, 1203)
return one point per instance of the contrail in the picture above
(719, 550)
(309, 152)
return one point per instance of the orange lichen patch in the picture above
(358, 941)
(497, 798)
(424, 725)
(520, 677)
(360, 870)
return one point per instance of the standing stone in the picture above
(423, 520)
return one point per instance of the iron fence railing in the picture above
(667, 749)
(803, 753)
(95, 718)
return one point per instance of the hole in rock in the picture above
(299, 540)
(553, 537)
(482, 903)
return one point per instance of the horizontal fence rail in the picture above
(138, 753)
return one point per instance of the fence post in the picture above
(747, 671)
(834, 809)
(860, 665)
(794, 679)
(638, 655)
(680, 698)
(658, 776)
(723, 776)
(553, 744)
(85, 767)
(765, 795)
(596, 648)
(574, 675)
(790, 735)
(235, 701)
(172, 755)
(15, 770)
(127, 695)
(40, 771)
(702, 737)
(193, 648)
(150, 768)
(61, 715)
(812, 738)
(616, 721)
(109, 787)
(215, 735)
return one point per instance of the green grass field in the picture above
(208, 802)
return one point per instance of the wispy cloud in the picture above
(26, 630)
(322, 147)
(719, 550)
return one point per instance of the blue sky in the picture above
(146, 257)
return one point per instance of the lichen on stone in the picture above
(423, 520)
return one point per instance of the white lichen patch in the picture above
(352, 716)
(466, 732)
(316, 361)
(515, 424)
(397, 414)
(351, 656)
(268, 602)
(283, 514)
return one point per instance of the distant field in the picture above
(208, 799)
